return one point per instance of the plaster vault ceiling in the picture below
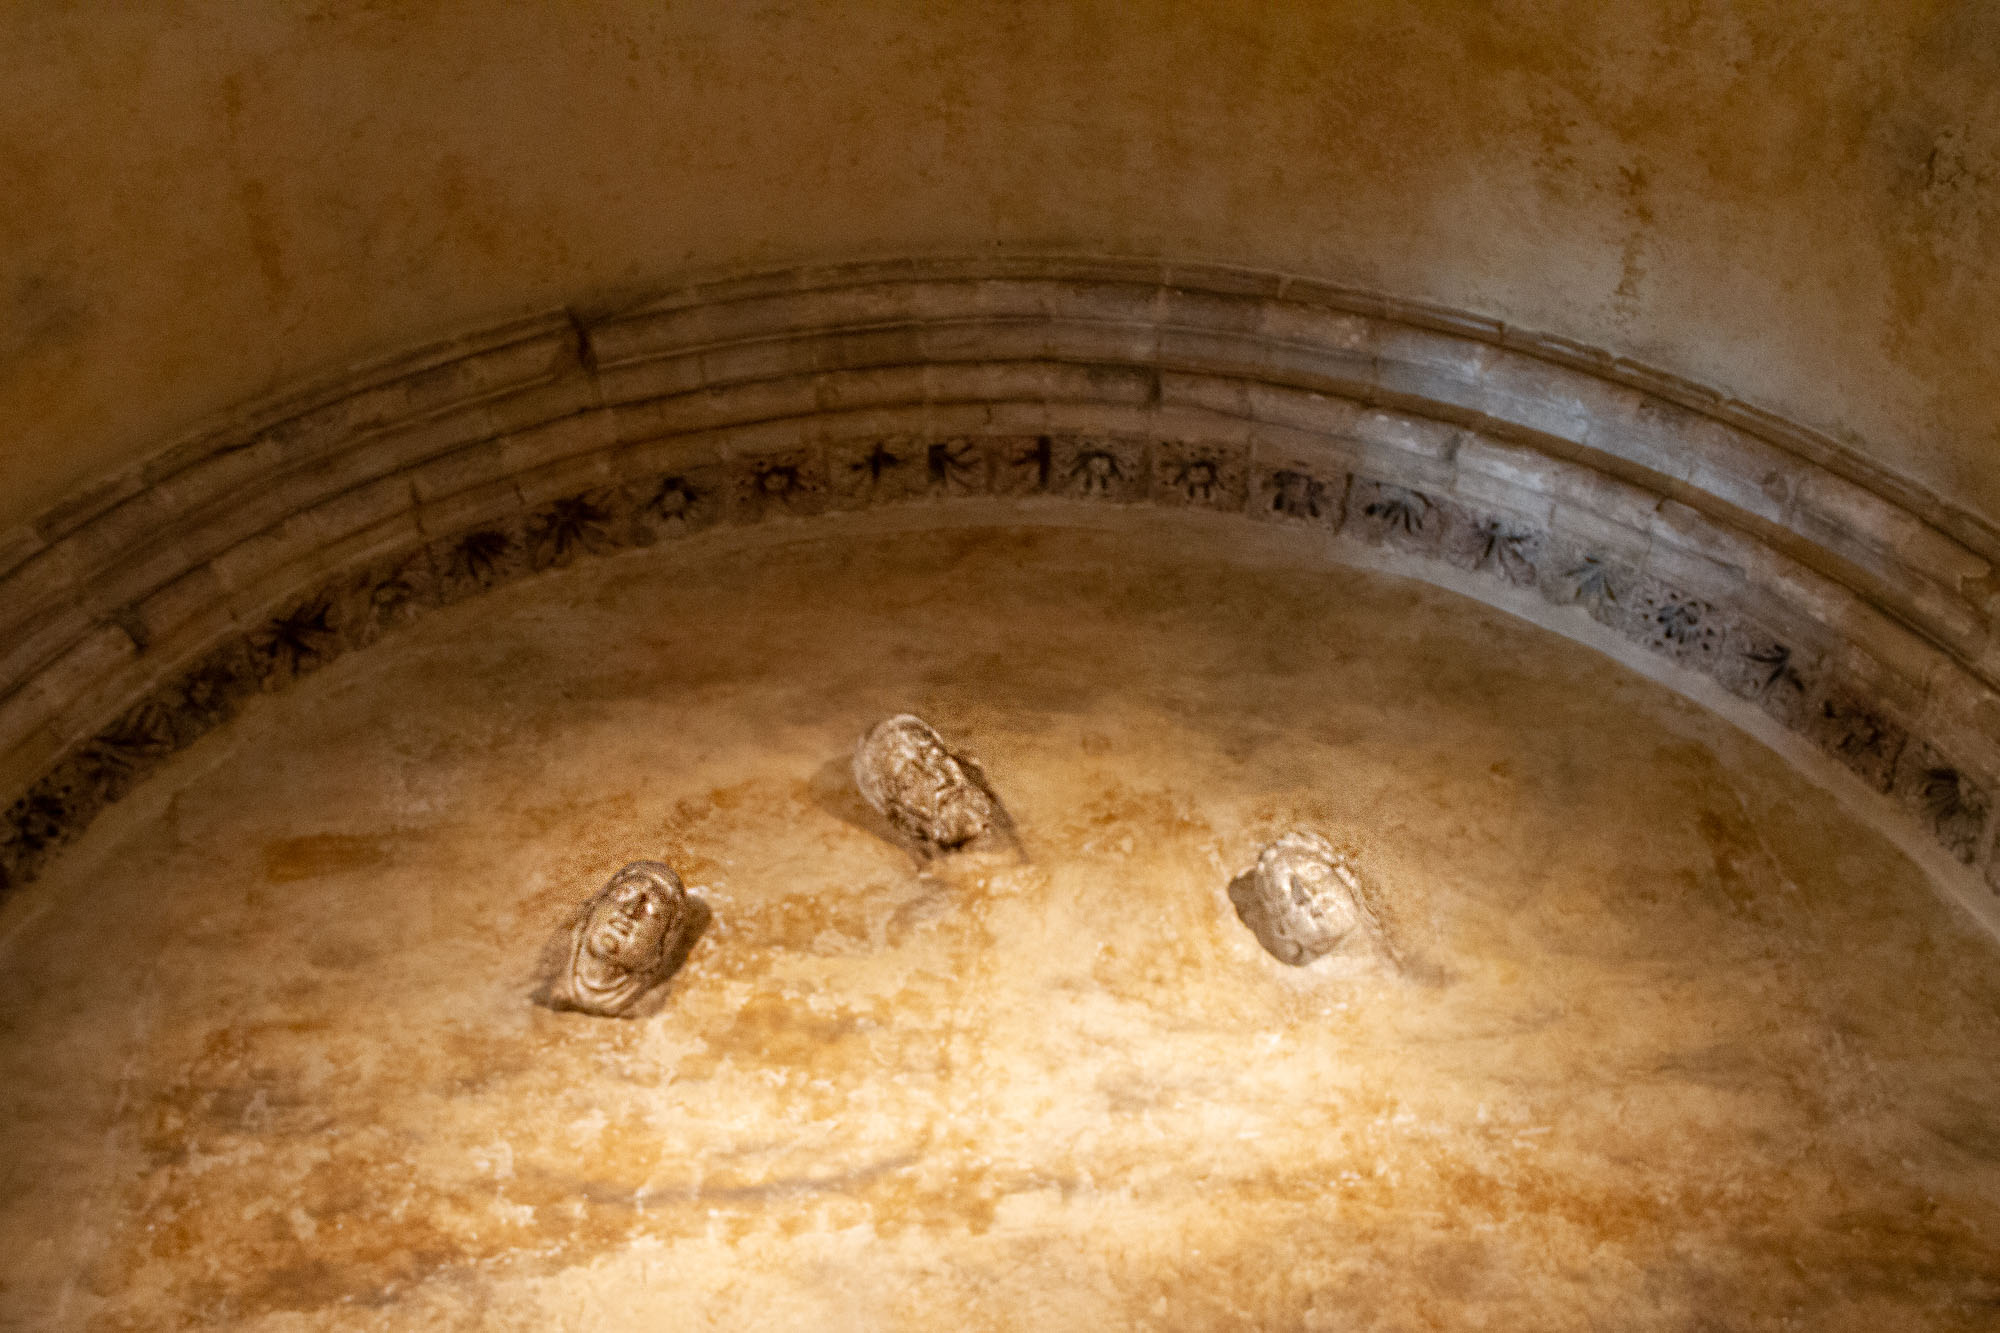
(203, 202)
(1222, 413)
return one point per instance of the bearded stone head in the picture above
(903, 769)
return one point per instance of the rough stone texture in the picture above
(1678, 1043)
(1301, 900)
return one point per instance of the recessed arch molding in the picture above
(1848, 607)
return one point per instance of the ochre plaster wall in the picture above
(199, 204)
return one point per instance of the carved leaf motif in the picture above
(477, 556)
(1507, 548)
(1777, 663)
(1395, 507)
(572, 524)
(952, 465)
(877, 463)
(396, 591)
(1591, 582)
(142, 735)
(300, 639)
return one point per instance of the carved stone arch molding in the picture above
(1755, 566)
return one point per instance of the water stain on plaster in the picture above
(1647, 1083)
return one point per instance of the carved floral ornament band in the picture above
(1848, 607)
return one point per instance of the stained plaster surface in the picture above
(1671, 1042)
(1797, 204)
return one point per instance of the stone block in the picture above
(1016, 417)
(463, 510)
(777, 357)
(1523, 469)
(1116, 302)
(1191, 308)
(563, 477)
(1208, 393)
(127, 581)
(1091, 418)
(472, 467)
(363, 507)
(39, 641)
(1599, 535)
(619, 344)
(657, 377)
(1533, 394)
(1741, 470)
(246, 564)
(88, 506)
(24, 755)
(17, 545)
(844, 390)
(1481, 492)
(557, 442)
(1334, 452)
(1857, 522)
(761, 437)
(1193, 425)
(109, 539)
(534, 405)
(1617, 503)
(81, 671)
(1336, 334)
(1302, 409)
(191, 608)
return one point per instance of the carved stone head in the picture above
(624, 941)
(903, 769)
(1300, 900)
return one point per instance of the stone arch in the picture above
(1758, 568)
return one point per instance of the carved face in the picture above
(1300, 900)
(1311, 889)
(629, 921)
(619, 945)
(905, 772)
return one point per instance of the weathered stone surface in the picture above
(1301, 899)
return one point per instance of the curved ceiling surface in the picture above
(204, 202)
